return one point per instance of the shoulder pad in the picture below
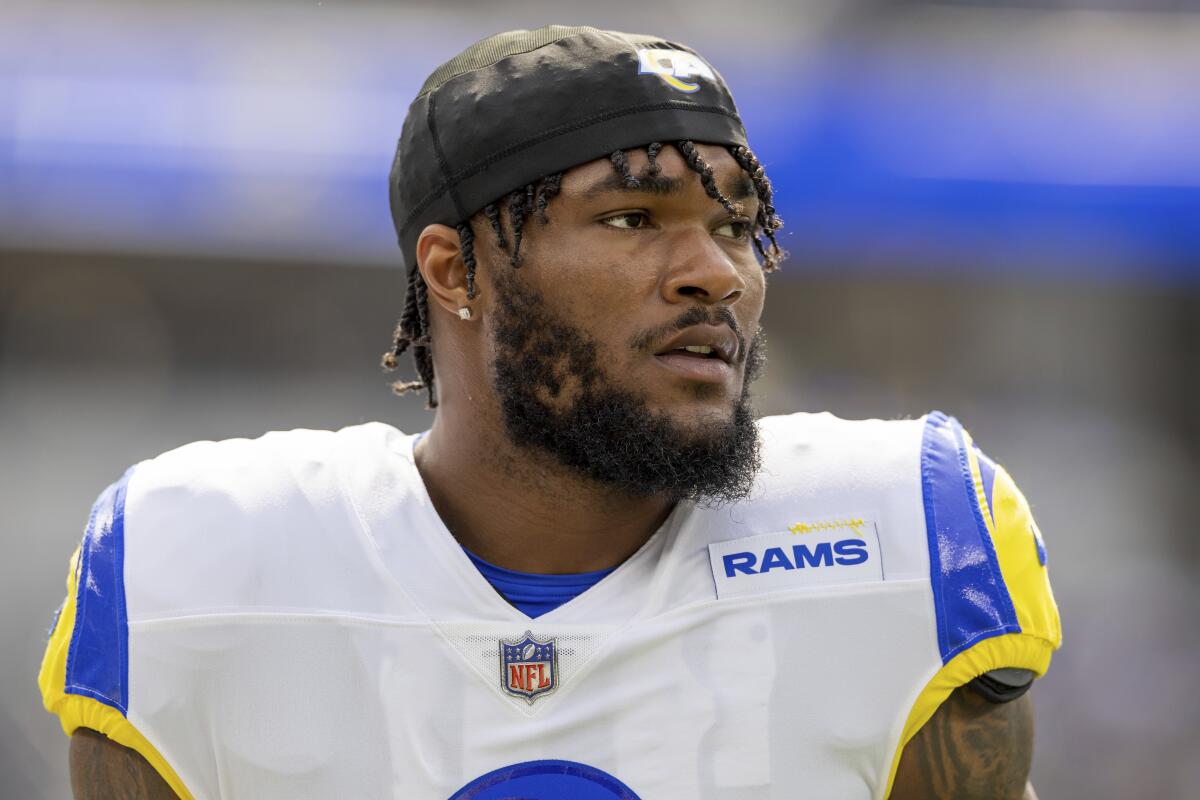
(254, 524)
(987, 561)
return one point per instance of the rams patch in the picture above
(807, 554)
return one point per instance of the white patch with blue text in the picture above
(807, 554)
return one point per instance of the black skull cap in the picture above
(524, 104)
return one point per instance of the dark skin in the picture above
(971, 748)
(616, 263)
(104, 770)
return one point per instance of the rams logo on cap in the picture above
(674, 67)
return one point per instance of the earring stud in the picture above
(464, 313)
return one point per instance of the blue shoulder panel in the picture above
(969, 595)
(98, 658)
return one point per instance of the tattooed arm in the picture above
(971, 749)
(104, 770)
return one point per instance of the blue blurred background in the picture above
(992, 208)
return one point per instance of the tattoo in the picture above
(104, 770)
(971, 749)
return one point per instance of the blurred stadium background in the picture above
(993, 209)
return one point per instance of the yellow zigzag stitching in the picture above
(854, 524)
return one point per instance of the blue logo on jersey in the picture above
(546, 780)
(846, 552)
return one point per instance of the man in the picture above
(595, 576)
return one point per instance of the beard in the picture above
(556, 397)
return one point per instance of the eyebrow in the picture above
(647, 184)
(741, 189)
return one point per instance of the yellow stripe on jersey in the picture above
(76, 711)
(1019, 650)
(980, 491)
(1015, 537)
(1016, 540)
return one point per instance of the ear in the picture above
(439, 257)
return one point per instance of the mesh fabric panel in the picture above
(479, 645)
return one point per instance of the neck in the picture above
(522, 510)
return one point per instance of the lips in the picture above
(701, 353)
(720, 341)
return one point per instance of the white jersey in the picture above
(288, 617)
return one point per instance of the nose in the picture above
(701, 271)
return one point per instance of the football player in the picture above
(596, 575)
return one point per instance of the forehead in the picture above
(600, 177)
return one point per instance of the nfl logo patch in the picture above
(528, 667)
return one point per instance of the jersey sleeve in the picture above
(987, 559)
(84, 676)
(993, 604)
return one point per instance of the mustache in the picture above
(695, 315)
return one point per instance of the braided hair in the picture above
(531, 200)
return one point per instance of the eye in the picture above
(628, 220)
(734, 229)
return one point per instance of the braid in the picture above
(621, 164)
(547, 191)
(423, 356)
(762, 185)
(493, 215)
(422, 294)
(691, 156)
(466, 238)
(768, 221)
(652, 149)
(413, 331)
(403, 334)
(520, 203)
(768, 264)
